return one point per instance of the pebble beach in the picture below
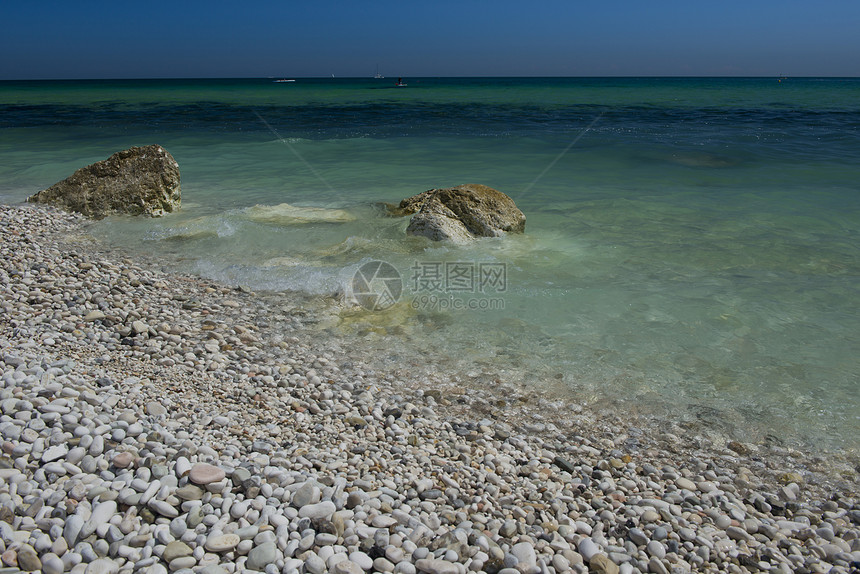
(153, 422)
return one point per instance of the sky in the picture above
(95, 39)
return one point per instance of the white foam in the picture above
(286, 214)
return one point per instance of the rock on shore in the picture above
(137, 181)
(462, 213)
(152, 423)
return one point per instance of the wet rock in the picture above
(462, 213)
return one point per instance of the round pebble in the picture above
(222, 542)
(122, 459)
(203, 474)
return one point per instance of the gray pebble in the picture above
(637, 536)
(314, 564)
(588, 548)
(102, 566)
(656, 549)
(51, 564)
(260, 556)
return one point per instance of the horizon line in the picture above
(325, 77)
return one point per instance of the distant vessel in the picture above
(378, 76)
(399, 83)
(280, 81)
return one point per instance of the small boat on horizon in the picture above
(399, 83)
(378, 76)
(282, 81)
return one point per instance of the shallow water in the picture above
(691, 244)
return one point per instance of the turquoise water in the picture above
(692, 246)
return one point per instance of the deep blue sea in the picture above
(692, 245)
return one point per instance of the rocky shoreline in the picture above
(155, 423)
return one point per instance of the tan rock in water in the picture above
(136, 181)
(462, 213)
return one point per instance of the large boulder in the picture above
(136, 181)
(462, 213)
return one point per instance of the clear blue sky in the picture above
(301, 38)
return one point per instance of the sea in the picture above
(691, 250)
